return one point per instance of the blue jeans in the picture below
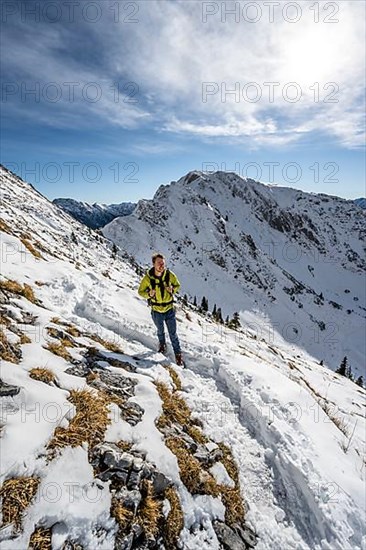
(171, 323)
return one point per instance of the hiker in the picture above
(158, 287)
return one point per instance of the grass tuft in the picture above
(175, 377)
(43, 375)
(40, 539)
(29, 294)
(194, 477)
(231, 496)
(28, 245)
(8, 352)
(24, 339)
(121, 514)
(150, 510)
(16, 494)
(16, 288)
(89, 423)
(174, 522)
(58, 349)
(108, 344)
(175, 408)
(5, 227)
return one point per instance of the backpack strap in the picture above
(162, 284)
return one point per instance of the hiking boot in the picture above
(162, 348)
(179, 359)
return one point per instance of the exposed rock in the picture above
(160, 483)
(236, 538)
(78, 370)
(7, 390)
(131, 412)
(93, 356)
(208, 457)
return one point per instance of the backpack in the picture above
(162, 283)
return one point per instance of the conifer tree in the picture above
(342, 369)
(219, 315)
(204, 304)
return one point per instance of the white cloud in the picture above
(175, 52)
(171, 52)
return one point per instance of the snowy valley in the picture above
(107, 444)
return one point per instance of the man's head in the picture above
(158, 261)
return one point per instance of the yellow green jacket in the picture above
(162, 301)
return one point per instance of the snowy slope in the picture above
(292, 263)
(296, 430)
(94, 215)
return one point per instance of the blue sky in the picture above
(126, 100)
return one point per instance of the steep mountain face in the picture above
(107, 444)
(94, 215)
(361, 202)
(295, 260)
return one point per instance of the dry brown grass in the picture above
(111, 346)
(193, 474)
(58, 349)
(174, 522)
(67, 343)
(196, 434)
(121, 514)
(124, 445)
(194, 477)
(91, 377)
(16, 288)
(176, 410)
(89, 423)
(17, 494)
(4, 321)
(73, 331)
(231, 496)
(329, 409)
(28, 245)
(40, 539)
(5, 227)
(7, 350)
(29, 294)
(63, 338)
(24, 339)
(174, 376)
(233, 503)
(56, 320)
(12, 286)
(150, 510)
(52, 331)
(43, 375)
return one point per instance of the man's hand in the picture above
(152, 293)
(170, 289)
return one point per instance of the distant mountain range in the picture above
(94, 215)
(361, 202)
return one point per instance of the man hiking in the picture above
(158, 287)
